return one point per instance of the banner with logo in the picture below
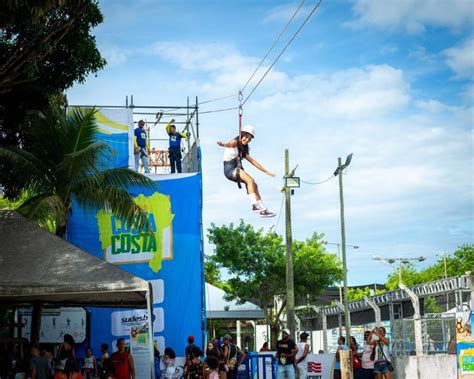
(320, 366)
(169, 256)
(465, 344)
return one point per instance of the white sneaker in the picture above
(258, 207)
(267, 214)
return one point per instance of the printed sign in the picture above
(141, 351)
(465, 344)
(320, 366)
(124, 243)
(55, 323)
(169, 256)
(122, 322)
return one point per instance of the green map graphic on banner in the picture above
(125, 244)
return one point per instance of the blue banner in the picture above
(169, 257)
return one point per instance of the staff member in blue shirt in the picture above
(142, 147)
(175, 146)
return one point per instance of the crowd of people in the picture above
(220, 360)
(373, 362)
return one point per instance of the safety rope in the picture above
(239, 142)
(283, 50)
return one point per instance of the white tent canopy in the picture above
(36, 266)
(218, 308)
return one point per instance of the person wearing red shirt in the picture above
(122, 362)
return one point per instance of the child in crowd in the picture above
(213, 364)
(234, 151)
(175, 146)
(90, 365)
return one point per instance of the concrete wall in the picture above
(425, 367)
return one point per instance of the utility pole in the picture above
(290, 285)
(340, 168)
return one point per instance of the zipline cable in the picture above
(283, 50)
(261, 62)
(219, 98)
(219, 110)
(273, 45)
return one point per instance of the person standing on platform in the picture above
(175, 146)
(302, 356)
(286, 352)
(122, 362)
(141, 147)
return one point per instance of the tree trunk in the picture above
(274, 334)
(36, 323)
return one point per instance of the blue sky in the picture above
(391, 82)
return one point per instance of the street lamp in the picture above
(401, 262)
(412, 295)
(338, 172)
(339, 257)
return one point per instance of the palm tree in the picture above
(65, 164)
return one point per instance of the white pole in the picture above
(150, 331)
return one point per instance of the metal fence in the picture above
(438, 331)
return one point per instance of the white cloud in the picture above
(114, 55)
(410, 179)
(412, 15)
(283, 13)
(460, 59)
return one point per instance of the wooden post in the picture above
(345, 357)
(36, 323)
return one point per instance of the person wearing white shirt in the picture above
(301, 358)
(367, 362)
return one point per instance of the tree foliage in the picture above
(354, 294)
(66, 164)
(45, 47)
(47, 44)
(458, 263)
(256, 263)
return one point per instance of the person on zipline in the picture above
(234, 151)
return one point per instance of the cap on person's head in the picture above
(191, 339)
(304, 335)
(69, 339)
(227, 337)
(286, 331)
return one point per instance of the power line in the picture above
(316, 183)
(283, 50)
(273, 45)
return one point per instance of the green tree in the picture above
(45, 47)
(47, 43)
(213, 274)
(66, 164)
(354, 294)
(457, 263)
(256, 263)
